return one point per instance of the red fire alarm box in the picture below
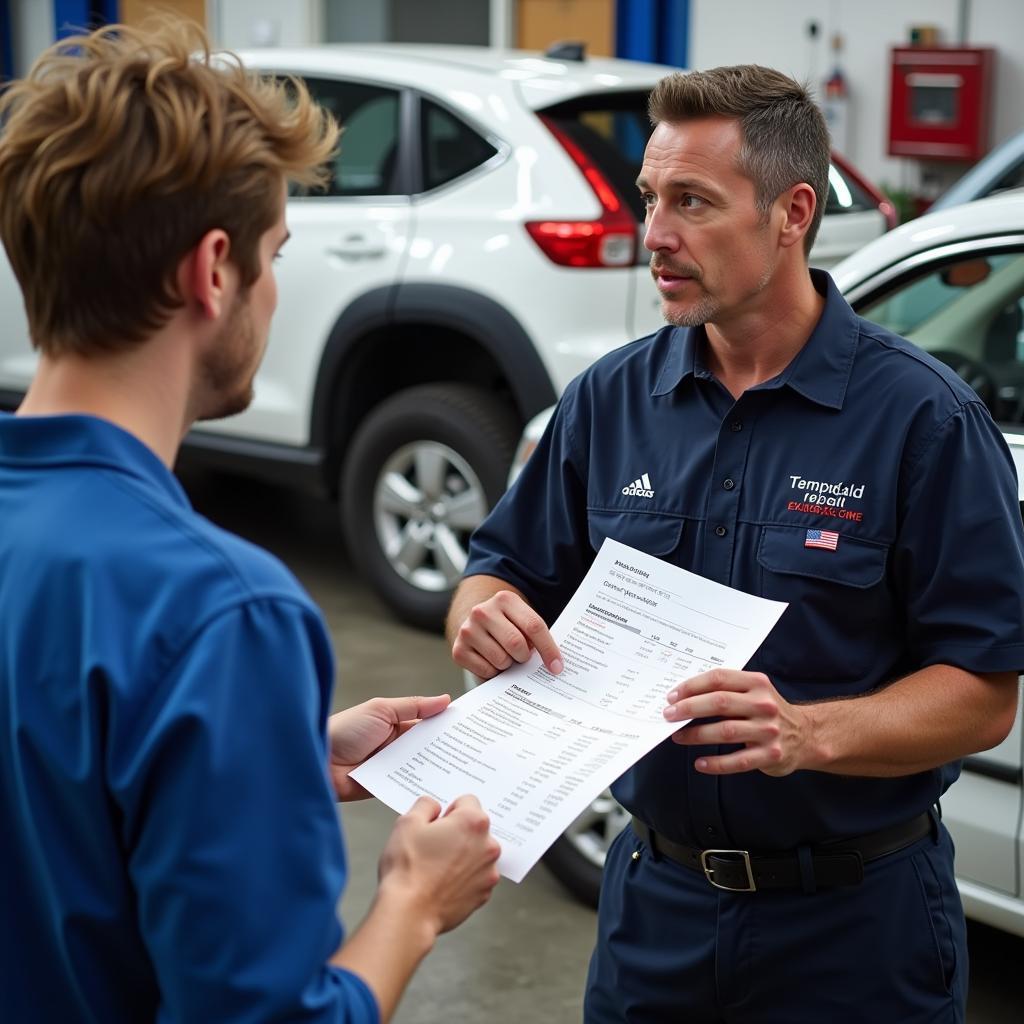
(939, 105)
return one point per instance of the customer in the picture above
(786, 863)
(170, 845)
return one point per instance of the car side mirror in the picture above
(966, 273)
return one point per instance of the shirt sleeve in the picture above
(536, 536)
(959, 554)
(233, 840)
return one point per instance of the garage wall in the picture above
(32, 30)
(776, 34)
(1000, 23)
(237, 25)
(720, 32)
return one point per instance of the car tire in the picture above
(423, 470)
(576, 858)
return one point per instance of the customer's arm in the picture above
(234, 849)
(434, 872)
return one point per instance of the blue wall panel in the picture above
(70, 16)
(674, 33)
(6, 52)
(653, 30)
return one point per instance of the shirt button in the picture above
(720, 531)
(728, 483)
(736, 425)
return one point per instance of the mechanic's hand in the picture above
(774, 733)
(502, 630)
(356, 733)
(447, 863)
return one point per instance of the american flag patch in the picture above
(827, 539)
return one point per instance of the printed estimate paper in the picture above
(535, 748)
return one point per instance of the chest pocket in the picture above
(652, 532)
(854, 563)
(839, 604)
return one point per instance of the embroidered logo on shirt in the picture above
(827, 539)
(826, 498)
(640, 488)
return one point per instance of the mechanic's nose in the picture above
(658, 236)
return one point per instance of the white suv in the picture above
(478, 246)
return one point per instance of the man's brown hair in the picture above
(119, 150)
(785, 140)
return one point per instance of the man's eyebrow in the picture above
(287, 235)
(680, 185)
(701, 185)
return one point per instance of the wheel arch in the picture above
(383, 342)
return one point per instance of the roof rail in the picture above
(567, 51)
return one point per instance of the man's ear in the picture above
(797, 205)
(206, 276)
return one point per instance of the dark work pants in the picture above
(672, 949)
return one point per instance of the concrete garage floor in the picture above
(523, 958)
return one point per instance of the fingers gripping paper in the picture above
(536, 748)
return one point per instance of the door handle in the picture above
(356, 247)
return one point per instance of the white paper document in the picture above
(536, 748)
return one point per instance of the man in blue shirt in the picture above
(773, 441)
(170, 846)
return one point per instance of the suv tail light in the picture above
(609, 241)
(885, 205)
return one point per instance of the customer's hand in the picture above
(359, 732)
(500, 631)
(446, 864)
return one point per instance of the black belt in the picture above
(835, 863)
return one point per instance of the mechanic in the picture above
(171, 848)
(819, 767)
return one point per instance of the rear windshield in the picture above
(612, 129)
(845, 195)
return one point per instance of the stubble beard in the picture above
(699, 312)
(230, 367)
(703, 311)
(707, 308)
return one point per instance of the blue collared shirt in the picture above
(862, 436)
(170, 848)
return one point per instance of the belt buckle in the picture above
(709, 871)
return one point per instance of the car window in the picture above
(1013, 177)
(968, 313)
(612, 129)
(368, 151)
(845, 195)
(450, 146)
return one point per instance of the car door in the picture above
(965, 305)
(346, 244)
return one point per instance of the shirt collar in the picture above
(80, 440)
(820, 371)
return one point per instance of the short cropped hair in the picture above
(119, 151)
(785, 140)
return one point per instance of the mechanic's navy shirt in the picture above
(862, 435)
(170, 847)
